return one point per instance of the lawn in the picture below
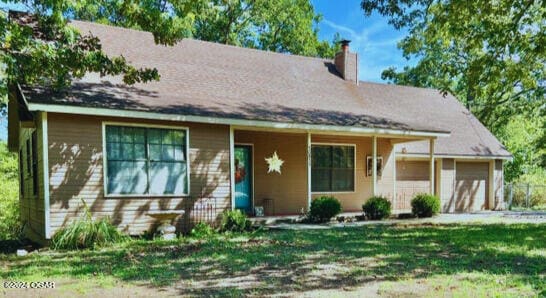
(462, 260)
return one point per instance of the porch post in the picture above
(232, 166)
(309, 198)
(374, 165)
(431, 159)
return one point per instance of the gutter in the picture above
(229, 121)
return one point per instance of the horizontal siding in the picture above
(76, 174)
(32, 205)
(353, 201)
(412, 177)
(287, 191)
(448, 185)
(498, 185)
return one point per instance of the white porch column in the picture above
(309, 198)
(431, 159)
(374, 165)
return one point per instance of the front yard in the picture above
(462, 260)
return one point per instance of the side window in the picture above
(34, 163)
(21, 173)
(28, 158)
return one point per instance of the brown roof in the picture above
(208, 79)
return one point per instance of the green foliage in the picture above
(87, 232)
(489, 54)
(377, 208)
(522, 137)
(43, 49)
(425, 205)
(323, 209)
(235, 221)
(10, 226)
(202, 230)
(284, 26)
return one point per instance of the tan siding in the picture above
(76, 174)
(352, 201)
(288, 190)
(448, 182)
(498, 186)
(32, 205)
(412, 177)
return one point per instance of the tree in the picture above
(285, 26)
(39, 47)
(490, 54)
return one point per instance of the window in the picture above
(146, 161)
(34, 163)
(28, 158)
(21, 173)
(369, 165)
(332, 168)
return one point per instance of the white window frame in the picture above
(354, 167)
(105, 160)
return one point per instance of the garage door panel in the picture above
(471, 186)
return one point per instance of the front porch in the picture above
(314, 165)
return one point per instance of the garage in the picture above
(471, 186)
(412, 177)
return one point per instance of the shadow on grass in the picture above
(283, 261)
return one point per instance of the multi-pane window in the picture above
(146, 161)
(332, 168)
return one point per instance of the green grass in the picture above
(464, 260)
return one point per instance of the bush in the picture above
(324, 208)
(10, 224)
(235, 221)
(87, 233)
(377, 208)
(202, 230)
(425, 205)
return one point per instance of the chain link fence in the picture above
(525, 196)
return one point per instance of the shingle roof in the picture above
(208, 79)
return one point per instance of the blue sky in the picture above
(371, 37)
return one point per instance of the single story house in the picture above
(229, 127)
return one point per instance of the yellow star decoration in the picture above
(274, 163)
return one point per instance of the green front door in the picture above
(243, 178)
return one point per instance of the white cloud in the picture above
(376, 45)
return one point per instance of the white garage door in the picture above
(471, 186)
(412, 177)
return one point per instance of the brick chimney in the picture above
(347, 63)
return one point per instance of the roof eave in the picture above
(66, 109)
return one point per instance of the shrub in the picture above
(10, 225)
(324, 208)
(87, 233)
(425, 205)
(377, 208)
(235, 221)
(202, 230)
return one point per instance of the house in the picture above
(228, 127)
